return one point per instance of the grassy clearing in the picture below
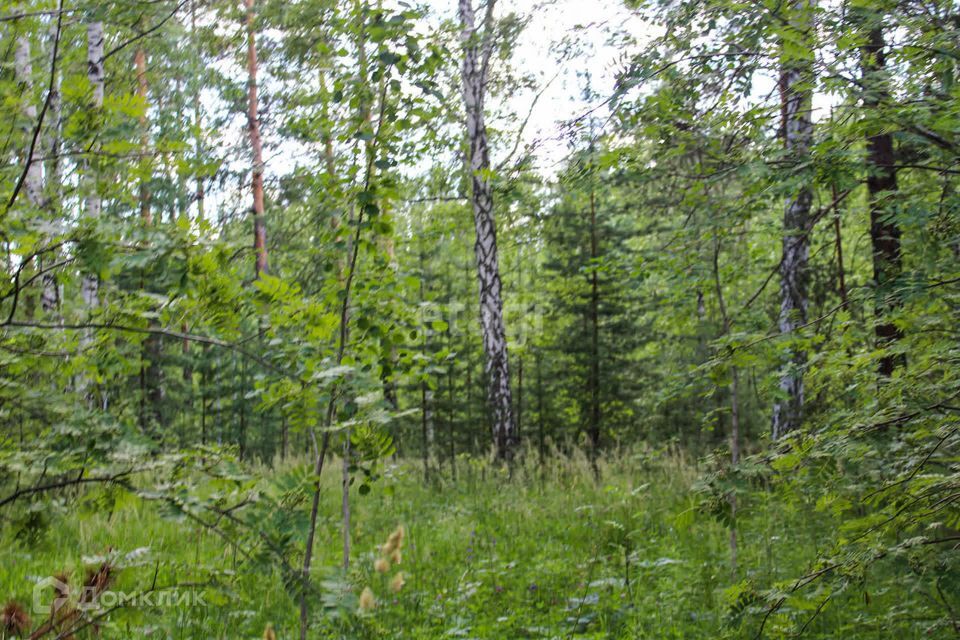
(549, 553)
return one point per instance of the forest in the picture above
(472, 319)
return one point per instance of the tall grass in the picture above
(545, 550)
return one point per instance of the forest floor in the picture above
(548, 553)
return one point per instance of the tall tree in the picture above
(256, 144)
(90, 285)
(796, 96)
(881, 189)
(95, 75)
(23, 68)
(50, 296)
(33, 179)
(151, 388)
(594, 422)
(140, 64)
(478, 48)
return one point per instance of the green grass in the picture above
(548, 553)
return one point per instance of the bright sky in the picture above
(606, 34)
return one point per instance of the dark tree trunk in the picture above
(594, 428)
(151, 387)
(882, 187)
(50, 297)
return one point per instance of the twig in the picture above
(144, 34)
(43, 112)
(61, 484)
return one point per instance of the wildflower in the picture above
(268, 633)
(14, 620)
(381, 565)
(397, 583)
(367, 600)
(394, 541)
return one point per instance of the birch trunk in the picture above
(90, 287)
(475, 65)
(33, 179)
(256, 145)
(796, 100)
(50, 296)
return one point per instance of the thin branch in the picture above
(823, 211)
(43, 112)
(526, 121)
(192, 337)
(146, 33)
(341, 349)
(36, 14)
(62, 484)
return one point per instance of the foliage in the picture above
(176, 430)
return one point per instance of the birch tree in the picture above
(90, 287)
(477, 48)
(796, 95)
(33, 181)
(50, 295)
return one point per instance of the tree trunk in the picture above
(796, 101)
(519, 397)
(90, 287)
(594, 330)
(90, 283)
(541, 435)
(50, 296)
(140, 62)
(151, 388)
(734, 404)
(197, 119)
(451, 415)
(882, 187)
(838, 242)
(33, 180)
(475, 65)
(256, 146)
(426, 426)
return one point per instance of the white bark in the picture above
(33, 181)
(475, 63)
(50, 296)
(90, 287)
(797, 98)
(90, 283)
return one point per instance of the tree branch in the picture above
(43, 112)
